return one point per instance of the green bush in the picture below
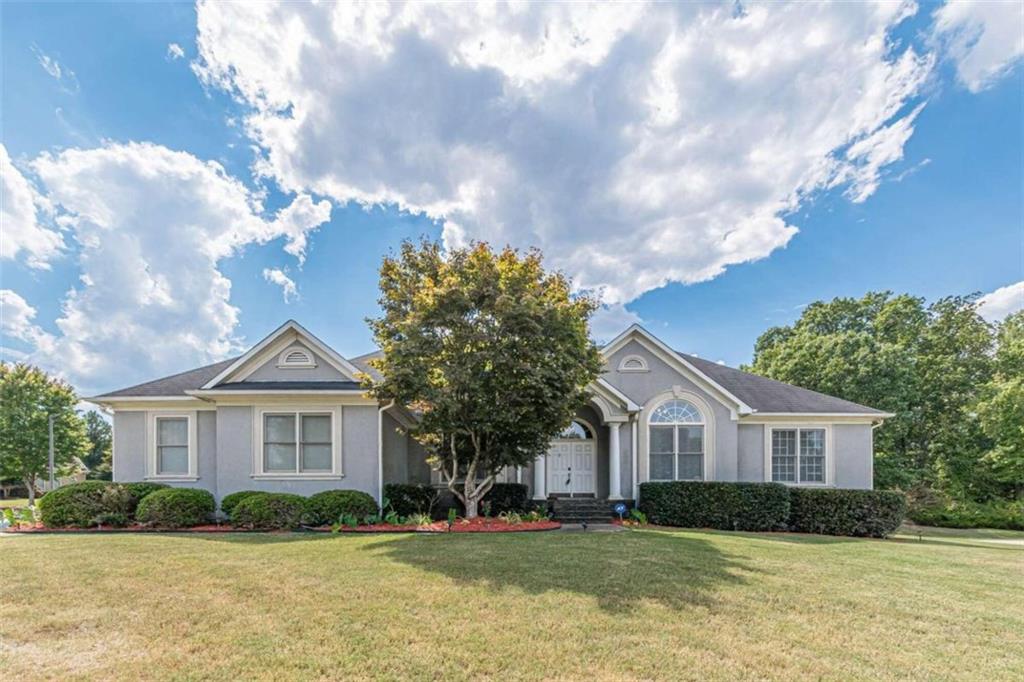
(140, 490)
(229, 502)
(74, 505)
(270, 511)
(507, 497)
(828, 511)
(411, 498)
(727, 506)
(1002, 515)
(176, 508)
(330, 505)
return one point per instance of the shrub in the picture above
(507, 497)
(229, 502)
(269, 511)
(727, 506)
(75, 505)
(176, 508)
(1002, 515)
(138, 491)
(871, 513)
(411, 498)
(330, 505)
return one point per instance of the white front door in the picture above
(571, 464)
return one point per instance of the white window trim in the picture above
(625, 368)
(830, 464)
(152, 471)
(335, 412)
(710, 431)
(309, 363)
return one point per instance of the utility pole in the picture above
(52, 417)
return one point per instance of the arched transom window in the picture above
(676, 442)
(576, 431)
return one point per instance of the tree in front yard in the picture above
(100, 440)
(27, 398)
(1001, 409)
(492, 352)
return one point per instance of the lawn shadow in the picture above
(619, 570)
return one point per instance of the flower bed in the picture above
(477, 525)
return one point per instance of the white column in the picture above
(540, 491)
(614, 478)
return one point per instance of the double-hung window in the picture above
(172, 445)
(798, 455)
(298, 443)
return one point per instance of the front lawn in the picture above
(13, 502)
(635, 604)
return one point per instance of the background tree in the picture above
(1001, 410)
(100, 435)
(27, 397)
(491, 350)
(925, 364)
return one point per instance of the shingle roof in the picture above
(768, 395)
(174, 385)
(289, 386)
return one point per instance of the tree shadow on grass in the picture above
(619, 570)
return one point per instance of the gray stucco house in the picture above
(289, 415)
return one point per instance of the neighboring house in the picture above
(289, 415)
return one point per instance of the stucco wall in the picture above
(396, 452)
(853, 455)
(750, 455)
(269, 371)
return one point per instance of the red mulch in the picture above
(477, 525)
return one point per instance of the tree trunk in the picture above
(31, 485)
(471, 508)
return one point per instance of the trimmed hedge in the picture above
(773, 506)
(864, 513)
(229, 502)
(727, 506)
(270, 511)
(140, 490)
(176, 508)
(330, 505)
(74, 505)
(506, 497)
(1002, 515)
(411, 498)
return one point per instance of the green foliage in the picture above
(638, 517)
(270, 511)
(100, 435)
(863, 513)
(176, 508)
(229, 502)
(728, 506)
(925, 364)
(452, 516)
(492, 351)
(535, 515)
(74, 505)
(1001, 409)
(410, 498)
(419, 520)
(508, 497)
(997, 514)
(510, 517)
(27, 398)
(328, 506)
(137, 492)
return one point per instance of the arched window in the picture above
(576, 431)
(676, 442)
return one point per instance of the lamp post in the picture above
(52, 417)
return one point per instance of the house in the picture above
(289, 415)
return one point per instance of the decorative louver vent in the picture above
(296, 358)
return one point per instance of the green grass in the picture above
(13, 502)
(640, 604)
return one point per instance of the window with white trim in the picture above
(172, 438)
(676, 442)
(798, 455)
(298, 442)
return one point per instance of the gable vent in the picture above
(296, 358)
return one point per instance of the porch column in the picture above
(614, 477)
(539, 475)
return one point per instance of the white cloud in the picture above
(152, 225)
(62, 74)
(609, 321)
(278, 277)
(635, 144)
(20, 230)
(175, 51)
(1003, 301)
(985, 39)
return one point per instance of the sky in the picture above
(178, 180)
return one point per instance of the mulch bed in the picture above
(477, 525)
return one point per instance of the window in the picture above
(172, 446)
(576, 431)
(633, 363)
(798, 455)
(676, 442)
(298, 443)
(295, 357)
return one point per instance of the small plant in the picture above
(535, 515)
(349, 520)
(511, 518)
(392, 518)
(485, 506)
(452, 516)
(371, 520)
(419, 520)
(637, 517)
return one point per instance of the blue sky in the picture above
(662, 191)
